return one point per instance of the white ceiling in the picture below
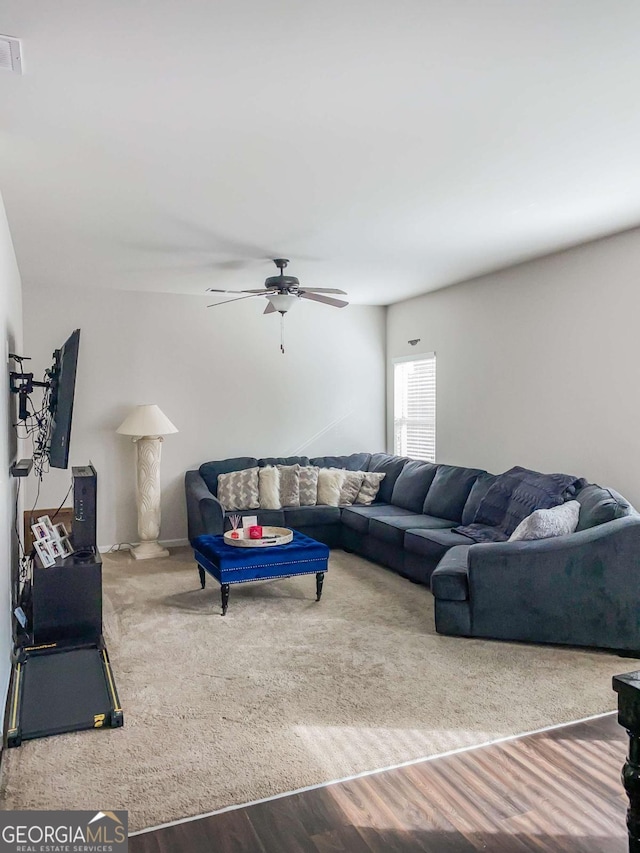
(388, 148)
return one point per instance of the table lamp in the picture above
(147, 424)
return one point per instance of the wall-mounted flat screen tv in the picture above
(63, 383)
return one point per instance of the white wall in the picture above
(218, 374)
(11, 325)
(538, 365)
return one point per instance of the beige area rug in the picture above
(283, 692)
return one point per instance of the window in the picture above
(414, 407)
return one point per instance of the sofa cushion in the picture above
(392, 528)
(391, 466)
(266, 517)
(599, 505)
(449, 491)
(239, 489)
(310, 516)
(412, 485)
(358, 517)
(433, 544)
(450, 580)
(283, 460)
(478, 491)
(352, 462)
(209, 470)
(370, 487)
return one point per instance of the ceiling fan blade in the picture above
(318, 297)
(269, 309)
(227, 301)
(219, 290)
(324, 290)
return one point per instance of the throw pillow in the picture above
(239, 489)
(289, 485)
(351, 487)
(369, 488)
(308, 482)
(330, 482)
(546, 523)
(269, 487)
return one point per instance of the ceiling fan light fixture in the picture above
(282, 301)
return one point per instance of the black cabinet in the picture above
(67, 601)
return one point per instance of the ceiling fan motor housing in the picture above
(282, 282)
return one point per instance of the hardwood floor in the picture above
(554, 791)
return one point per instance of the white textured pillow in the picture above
(269, 487)
(239, 489)
(369, 488)
(308, 482)
(546, 523)
(330, 482)
(351, 487)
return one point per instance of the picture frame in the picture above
(40, 531)
(46, 558)
(44, 519)
(54, 548)
(66, 546)
(60, 530)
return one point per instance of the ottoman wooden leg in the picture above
(203, 577)
(319, 582)
(224, 594)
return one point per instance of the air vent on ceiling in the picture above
(10, 54)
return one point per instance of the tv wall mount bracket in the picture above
(23, 383)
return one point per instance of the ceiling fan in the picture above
(282, 291)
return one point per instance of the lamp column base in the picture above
(148, 551)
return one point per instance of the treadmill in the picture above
(62, 679)
(59, 688)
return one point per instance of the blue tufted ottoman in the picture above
(229, 565)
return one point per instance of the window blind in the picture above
(414, 411)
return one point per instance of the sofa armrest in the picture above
(205, 513)
(582, 589)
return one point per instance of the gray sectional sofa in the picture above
(579, 589)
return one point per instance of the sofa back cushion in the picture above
(478, 491)
(391, 466)
(283, 460)
(449, 491)
(209, 470)
(352, 462)
(599, 505)
(412, 485)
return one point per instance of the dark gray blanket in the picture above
(512, 497)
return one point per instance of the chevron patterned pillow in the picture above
(239, 489)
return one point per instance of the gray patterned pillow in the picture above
(289, 484)
(239, 489)
(308, 482)
(369, 488)
(351, 487)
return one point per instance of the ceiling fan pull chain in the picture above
(282, 333)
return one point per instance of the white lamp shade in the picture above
(146, 420)
(282, 301)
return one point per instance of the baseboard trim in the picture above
(167, 543)
(365, 773)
